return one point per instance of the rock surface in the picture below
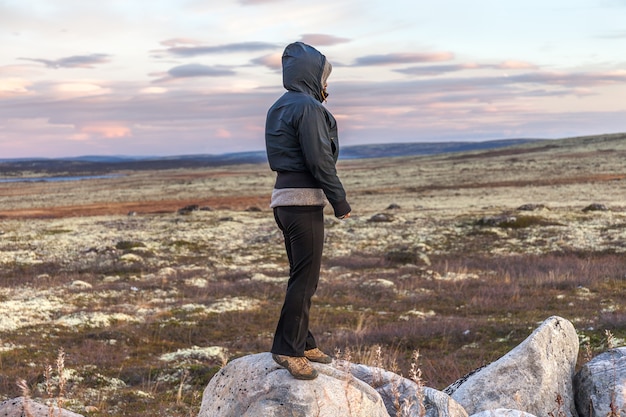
(15, 408)
(255, 385)
(600, 385)
(528, 378)
(404, 397)
(502, 412)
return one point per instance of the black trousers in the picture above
(303, 230)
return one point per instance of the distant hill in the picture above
(97, 165)
(384, 150)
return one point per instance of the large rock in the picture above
(15, 408)
(529, 378)
(398, 392)
(255, 385)
(600, 385)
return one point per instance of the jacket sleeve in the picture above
(320, 151)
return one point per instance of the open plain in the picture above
(152, 280)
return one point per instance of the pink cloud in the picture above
(13, 86)
(434, 70)
(370, 111)
(180, 41)
(317, 39)
(102, 129)
(516, 65)
(273, 61)
(404, 58)
(222, 133)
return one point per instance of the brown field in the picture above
(148, 306)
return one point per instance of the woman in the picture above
(302, 147)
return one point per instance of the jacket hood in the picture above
(303, 67)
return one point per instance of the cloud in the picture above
(13, 86)
(199, 70)
(76, 61)
(194, 117)
(273, 61)
(575, 79)
(189, 51)
(317, 39)
(515, 65)
(196, 70)
(80, 88)
(403, 58)
(256, 2)
(222, 133)
(434, 70)
(485, 104)
(515, 95)
(153, 90)
(614, 35)
(102, 129)
(180, 41)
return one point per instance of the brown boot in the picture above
(298, 366)
(316, 355)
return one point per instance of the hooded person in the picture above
(302, 148)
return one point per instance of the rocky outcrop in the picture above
(600, 385)
(255, 385)
(20, 407)
(535, 377)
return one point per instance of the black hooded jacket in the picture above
(300, 133)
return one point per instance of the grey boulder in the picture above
(20, 406)
(255, 385)
(600, 385)
(535, 377)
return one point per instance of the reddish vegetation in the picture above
(142, 202)
(117, 208)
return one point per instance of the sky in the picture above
(181, 77)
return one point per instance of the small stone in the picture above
(496, 221)
(188, 209)
(381, 218)
(78, 284)
(531, 207)
(596, 207)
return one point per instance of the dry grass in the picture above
(128, 297)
